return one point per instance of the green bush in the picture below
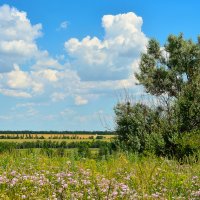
(99, 137)
(7, 146)
(133, 125)
(84, 151)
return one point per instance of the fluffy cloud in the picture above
(18, 42)
(18, 79)
(48, 74)
(113, 57)
(33, 83)
(17, 38)
(15, 25)
(45, 62)
(19, 83)
(18, 47)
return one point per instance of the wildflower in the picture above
(196, 193)
(195, 177)
(13, 173)
(115, 193)
(60, 190)
(155, 195)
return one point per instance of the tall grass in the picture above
(31, 174)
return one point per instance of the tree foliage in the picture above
(134, 123)
(174, 71)
(169, 69)
(171, 73)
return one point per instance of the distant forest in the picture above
(60, 132)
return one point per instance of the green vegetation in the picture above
(38, 175)
(172, 76)
(11, 146)
(55, 140)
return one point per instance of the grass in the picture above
(38, 151)
(34, 175)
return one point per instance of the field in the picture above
(20, 138)
(54, 140)
(78, 168)
(54, 136)
(32, 174)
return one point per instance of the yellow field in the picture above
(57, 136)
(56, 140)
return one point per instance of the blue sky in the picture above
(63, 64)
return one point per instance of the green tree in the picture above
(133, 124)
(167, 70)
(174, 71)
(172, 74)
(188, 106)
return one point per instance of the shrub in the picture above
(7, 146)
(83, 150)
(133, 124)
(99, 137)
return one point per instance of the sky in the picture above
(65, 64)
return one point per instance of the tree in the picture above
(167, 70)
(188, 106)
(174, 71)
(134, 124)
(172, 74)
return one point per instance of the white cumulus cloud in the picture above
(111, 58)
(17, 38)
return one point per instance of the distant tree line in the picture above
(56, 136)
(27, 132)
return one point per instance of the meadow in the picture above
(33, 174)
(89, 168)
